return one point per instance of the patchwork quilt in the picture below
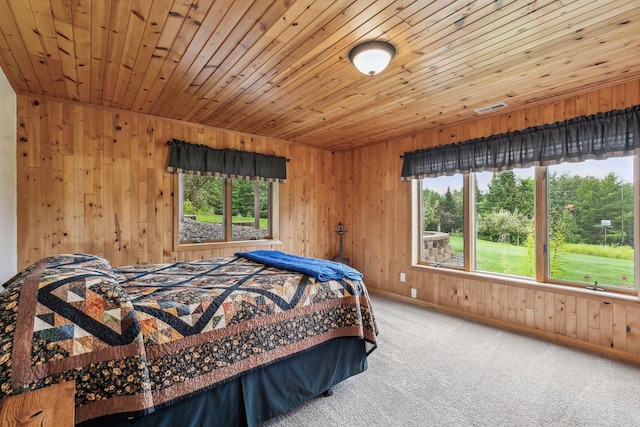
(140, 337)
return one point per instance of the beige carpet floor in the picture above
(433, 369)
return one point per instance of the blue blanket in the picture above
(318, 268)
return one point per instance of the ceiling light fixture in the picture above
(372, 57)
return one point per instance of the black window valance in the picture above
(598, 136)
(197, 159)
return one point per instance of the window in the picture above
(504, 211)
(442, 224)
(214, 210)
(584, 222)
(590, 230)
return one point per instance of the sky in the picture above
(621, 166)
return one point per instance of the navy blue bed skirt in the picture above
(260, 394)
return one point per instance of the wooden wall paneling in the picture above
(482, 291)
(383, 197)
(631, 93)
(444, 292)
(425, 286)
(549, 311)
(559, 318)
(305, 199)
(502, 291)
(124, 138)
(110, 237)
(619, 341)
(581, 105)
(606, 324)
(605, 103)
(98, 194)
(22, 180)
(72, 177)
(89, 235)
(462, 301)
(593, 102)
(521, 314)
(153, 249)
(487, 292)
(57, 178)
(472, 295)
(46, 181)
(79, 171)
(571, 325)
(68, 202)
(156, 177)
(119, 226)
(134, 187)
(512, 293)
(549, 113)
(103, 187)
(168, 188)
(146, 133)
(582, 319)
(34, 240)
(294, 195)
(539, 311)
(530, 309)
(633, 329)
(362, 208)
(88, 180)
(593, 320)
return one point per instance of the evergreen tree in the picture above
(447, 212)
(503, 193)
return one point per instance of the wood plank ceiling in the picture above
(280, 68)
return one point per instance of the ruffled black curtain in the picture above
(611, 134)
(196, 159)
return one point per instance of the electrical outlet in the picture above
(403, 277)
(414, 293)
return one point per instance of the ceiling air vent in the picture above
(490, 108)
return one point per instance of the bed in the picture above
(226, 341)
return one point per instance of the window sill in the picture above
(526, 283)
(229, 244)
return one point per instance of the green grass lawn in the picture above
(574, 267)
(218, 219)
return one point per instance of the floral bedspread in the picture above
(139, 337)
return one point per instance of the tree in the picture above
(503, 193)
(592, 200)
(447, 212)
(559, 219)
(242, 193)
(430, 208)
(525, 200)
(194, 190)
(503, 226)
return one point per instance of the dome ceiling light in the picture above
(372, 57)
